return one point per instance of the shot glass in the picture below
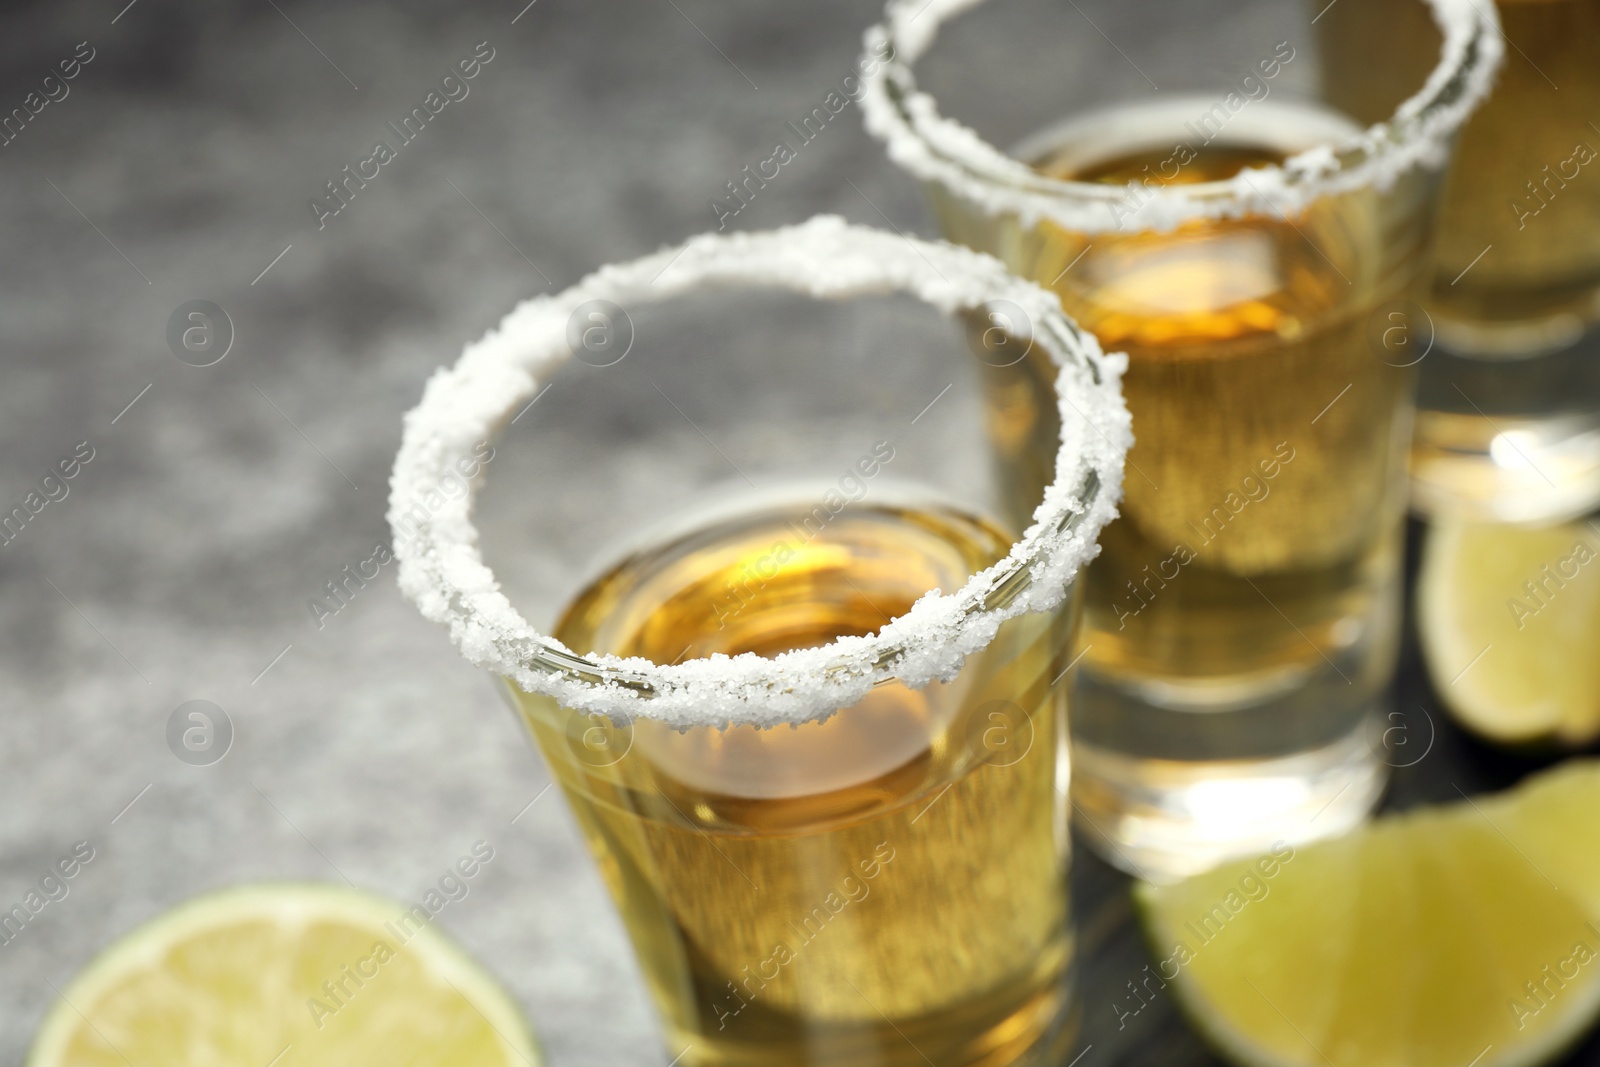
(1508, 419)
(813, 736)
(1243, 243)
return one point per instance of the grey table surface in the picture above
(220, 499)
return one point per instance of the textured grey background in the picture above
(179, 566)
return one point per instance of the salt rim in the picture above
(442, 571)
(938, 149)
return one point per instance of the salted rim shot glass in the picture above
(831, 841)
(1250, 250)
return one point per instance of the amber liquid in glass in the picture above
(1239, 624)
(1508, 424)
(883, 887)
(1524, 190)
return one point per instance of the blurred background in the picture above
(220, 499)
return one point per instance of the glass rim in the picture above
(442, 571)
(941, 150)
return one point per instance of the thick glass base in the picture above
(1041, 1030)
(1508, 437)
(1175, 792)
(1506, 469)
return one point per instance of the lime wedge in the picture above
(1441, 937)
(1553, 819)
(291, 975)
(1510, 621)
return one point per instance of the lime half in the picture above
(1510, 621)
(1442, 937)
(291, 975)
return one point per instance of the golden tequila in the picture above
(1509, 414)
(1260, 501)
(1522, 192)
(1242, 610)
(884, 887)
